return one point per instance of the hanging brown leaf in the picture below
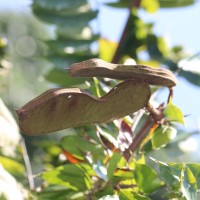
(125, 135)
(59, 109)
(98, 68)
(107, 141)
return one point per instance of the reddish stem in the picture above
(148, 124)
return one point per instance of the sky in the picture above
(180, 26)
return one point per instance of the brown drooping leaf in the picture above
(98, 68)
(125, 135)
(59, 109)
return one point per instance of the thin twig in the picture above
(124, 186)
(27, 164)
(116, 57)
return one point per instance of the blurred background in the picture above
(38, 41)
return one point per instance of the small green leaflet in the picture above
(162, 136)
(173, 113)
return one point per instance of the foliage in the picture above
(96, 161)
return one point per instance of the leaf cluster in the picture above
(89, 162)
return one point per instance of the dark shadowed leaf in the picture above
(191, 77)
(175, 3)
(64, 47)
(65, 19)
(119, 4)
(59, 4)
(73, 32)
(63, 62)
(61, 7)
(59, 109)
(59, 77)
(162, 3)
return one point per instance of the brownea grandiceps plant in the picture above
(58, 109)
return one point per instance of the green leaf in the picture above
(195, 169)
(152, 42)
(64, 47)
(75, 177)
(112, 166)
(181, 177)
(90, 130)
(127, 195)
(61, 8)
(176, 169)
(65, 20)
(191, 77)
(80, 147)
(59, 4)
(12, 166)
(167, 175)
(162, 136)
(124, 174)
(189, 184)
(63, 62)
(146, 178)
(119, 4)
(173, 113)
(56, 192)
(150, 6)
(175, 3)
(74, 32)
(107, 49)
(60, 77)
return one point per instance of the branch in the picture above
(144, 130)
(116, 57)
(156, 117)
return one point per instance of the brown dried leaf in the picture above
(98, 68)
(59, 109)
(125, 135)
